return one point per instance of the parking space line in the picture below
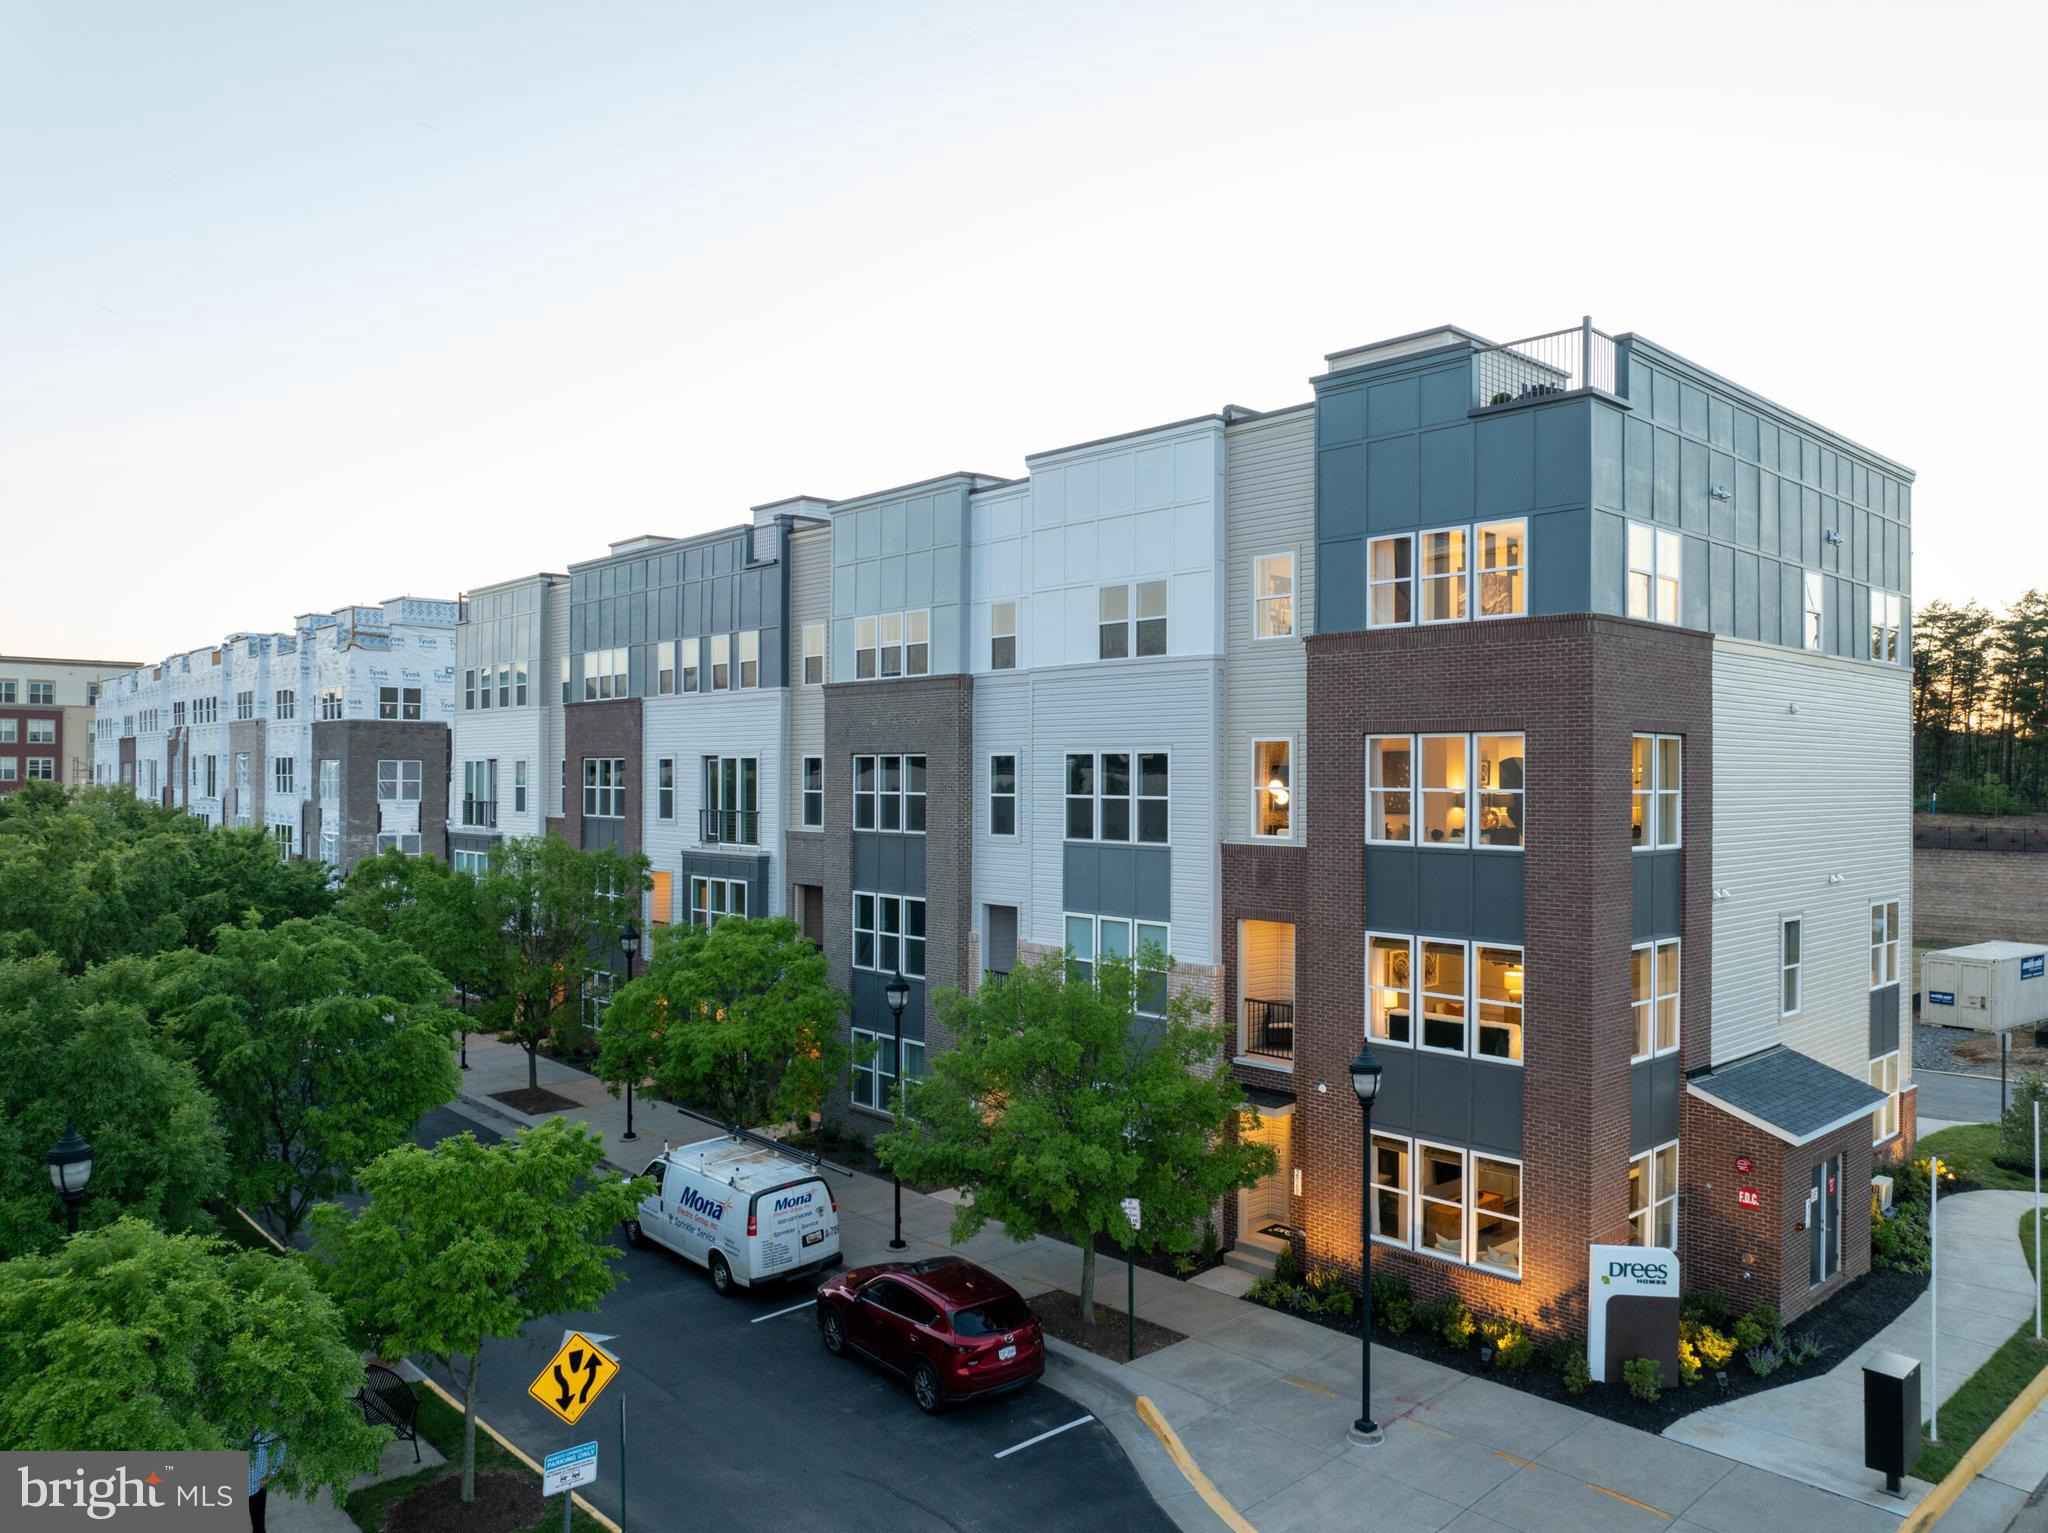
(807, 1304)
(1078, 1421)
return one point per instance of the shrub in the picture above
(1398, 1315)
(1644, 1377)
(1711, 1347)
(1578, 1375)
(1808, 1346)
(1330, 1294)
(1447, 1318)
(1701, 1307)
(2016, 1130)
(1748, 1332)
(1287, 1267)
(1900, 1241)
(1987, 796)
(1513, 1348)
(1265, 1291)
(1389, 1289)
(1764, 1360)
(1555, 1353)
(1212, 1247)
(1688, 1363)
(1909, 1180)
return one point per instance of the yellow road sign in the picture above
(570, 1382)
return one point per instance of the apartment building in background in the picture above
(46, 718)
(334, 737)
(511, 646)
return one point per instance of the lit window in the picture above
(1391, 1176)
(1272, 797)
(1503, 573)
(1653, 989)
(1884, 943)
(1884, 1075)
(1389, 788)
(1441, 1211)
(1444, 789)
(1791, 942)
(1654, 558)
(1653, 1198)
(1497, 983)
(1390, 581)
(1390, 991)
(1444, 1000)
(1444, 575)
(1496, 1213)
(1501, 794)
(1814, 608)
(1002, 640)
(1655, 775)
(1273, 596)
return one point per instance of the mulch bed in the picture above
(1060, 1313)
(505, 1503)
(1165, 1263)
(535, 1101)
(1844, 1323)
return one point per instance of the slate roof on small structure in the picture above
(1793, 1096)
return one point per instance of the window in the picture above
(566, 678)
(605, 675)
(1470, 995)
(10, 730)
(1497, 993)
(519, 683)
(1440, 1212)
(1653, 1197)
(665, 788)
(1273, 596)
(42, 731)
(1390, 582)
(281, 773)
(1887, 619)
(1445, 573)
(721, 662)
(889, 793)
(1002, 636)
(604, 787)
(1443, 996)
(1151, 617)
(330, 706)
(7, 692)
(814, 792)
(480, 793)
(10, 769)
(330, 782)
(1272, 797)
(1653, 991)
(1496, 1214)
(1500, 789)
(874, 1079)
(476, 864)
(241, 787)
(245, 703)
(1392, 1175)
(1449, 801)
(287, 705)
(688, 649)
(1790, 942)
(1390, 993)
(1884, 1075)
(42, 694)
(750, 658)
(398, 782)
(1503, 588)
(1143, 944)
(1002, 795)
(387, 702)
(1457, 1205)
(1654, 557)
(917, 643)
(212, 777)
(888, 934)
(1884, 943)
(732, 801)
(1655, 775)
(864, 648)
(814, 654)
(1444, 788)
(1389, 780)
(400, 841)
(665, 668)
(519, 786)
(283, 833)
(1813, 608)
(713, 899)
(468, 682)
(1113, 614)
(177, 715)
(1103, 795)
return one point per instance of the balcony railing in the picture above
(1269, 1029)
(1562, 362)
(729, 827)
(480, 812)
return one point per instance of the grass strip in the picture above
(1983, 1397)
(1974, 1144)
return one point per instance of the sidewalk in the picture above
(288, 1514)
(1262, 1401)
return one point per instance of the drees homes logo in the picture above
(161, 1492)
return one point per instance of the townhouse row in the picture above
(1538, 713)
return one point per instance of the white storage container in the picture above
(1989, 987)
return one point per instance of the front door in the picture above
(1265, 1203)
(1824, 1222)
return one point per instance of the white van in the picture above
(746, 1210)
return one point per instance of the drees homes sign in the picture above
(1631, 1309)
(147, 1492)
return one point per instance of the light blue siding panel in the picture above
(1392, 499)
(1392, 406)
(1445, 472)
(1340, 416)
(1639, 447)
(1664, 504)
(1446, 394)
(1340, 586)
(1563, 457)
(1721, 588)
(1610, 563)
(1693, 589)
(1341, 492)
(1745, 595)
(1608, 467)
(1558, 567)
(1505, 463)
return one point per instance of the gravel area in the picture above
(1972, 1053)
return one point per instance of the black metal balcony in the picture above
(1269, 1029)
(729, 827)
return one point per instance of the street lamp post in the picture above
(70, 1163)
(898, 996)
(629, 944)
(1365, 1081)
(462, 994)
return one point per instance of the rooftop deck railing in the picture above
(1562, 362)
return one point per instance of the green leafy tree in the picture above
(468, 1241)
(96, 874)
(323, 1045)
(2016, 1128)
(1052, 1106)
(455, 920)
(739, 1018)
(127, 1338)
(82, 1050)
(564, 909)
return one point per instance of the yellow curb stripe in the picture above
(1519, 1463)
(1311, 1384)
(512, 1448)
(1631, 1500)
(1184, 1461)
(1977, 1457)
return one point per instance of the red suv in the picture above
(953, 1329)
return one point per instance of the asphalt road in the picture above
(1957, 1098)
(736, 1418)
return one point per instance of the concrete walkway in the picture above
(1262, 1400)
(288, 1514)
(1813, 1430)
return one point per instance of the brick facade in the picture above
(609, 729)
(1576, 688)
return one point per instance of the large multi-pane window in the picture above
(889, 793)
(398, 782)
(330, 785)
(1653, 990)
(407, 842)
(42, 694)
(1144, 944)
(604, 787)
(732, 800)
(1884, 1075)
(874, 1077)
(480, 793)
(892, 644)
(1002, 795)
(1455, 1204)
(282, 773)
(245, 705)
(1273, 596)
(1813, 609)
(1656, 765)
(1433, 790)
(1131, 620)
(1118, 796)
(330, 707)
(287, 706)
(1884, 943)
(888, 934)
(1653, 1197)
(1654, 560)
(713, 899)
(519, 787)
(1791, 963)
(402, 703)
(1887, 620)
(1468, 996)
(44, 769)
(605, 674)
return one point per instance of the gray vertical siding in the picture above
(810, 601)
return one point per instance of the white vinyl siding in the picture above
(810, 601)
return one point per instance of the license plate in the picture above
(814, 1237)
(1004, 1354)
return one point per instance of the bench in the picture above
(388, 1401)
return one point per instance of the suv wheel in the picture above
(833, 1333)
(721, 1276)
(924, 1388)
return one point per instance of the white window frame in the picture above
(282, 774)
(890, 917)
(519, 787)
(10, 731)
(1378, 791)
(604, 787)
(10, 769)
(1413, 1150)
(665, 668)
(870, 1074)
(1813, 610)
(1652, 588)
(749, 648)
(245, 704)
(911, 804)
(1791, 970)
(1649, 793)
(1647, 1013)
(1404, 1188)
(665, 788)
(812, 798)
(1884, 943)
(1397, 584)
(705, 910)
(1457, 581)
(1137, 797)
(689, 669)
(720, 664)
(725, 795)
(1884, 1075)
(1517, 573)
(1135, 935)
(42, 694)
(1660, 1201)
(42, 768)
(42, 732)
(1013, 796)
(406, 841)
(1410, 948)
(814, 650)
(867, 664)
(997, 632)
(1266, 608)
(403, 781)
(1887, 621)
(519, 693)
(1261, 789)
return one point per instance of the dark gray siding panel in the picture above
(1653, 1088)
(1884, 1020)
(752, 871)
(1450, 1101)
(886, 862)
(1444, 893)
(1659, 893)
(1131, 881)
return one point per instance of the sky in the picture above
(309, 305)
